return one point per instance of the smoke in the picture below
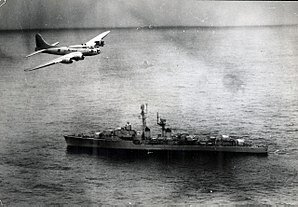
(43, 14)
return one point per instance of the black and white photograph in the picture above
(148, 103)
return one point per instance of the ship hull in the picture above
(118, 144)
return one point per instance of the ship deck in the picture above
(118, 144)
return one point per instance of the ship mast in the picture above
(162, 123)
(144, 117)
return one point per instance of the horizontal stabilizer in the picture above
(55, 44)
(34, 53)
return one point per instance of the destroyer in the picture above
(128, 139)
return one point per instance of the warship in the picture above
(127, 139)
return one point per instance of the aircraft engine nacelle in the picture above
(67, 61)
(99, 43)
(77, 58)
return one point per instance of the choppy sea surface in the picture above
(227, 80)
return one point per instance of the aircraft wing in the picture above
(63, 59)
(98, 38)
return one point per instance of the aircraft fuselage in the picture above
(67, 50)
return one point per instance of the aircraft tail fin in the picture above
(41, 43)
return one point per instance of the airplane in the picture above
(70, 53)
(43, 47)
